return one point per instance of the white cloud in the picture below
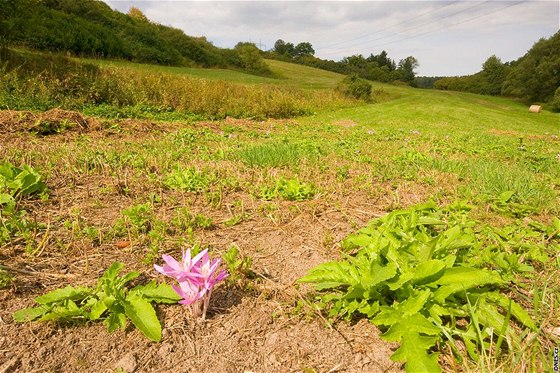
(447, 37)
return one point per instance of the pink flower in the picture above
(196, 278)
(180, 271)
(206, 272)
(189, 292)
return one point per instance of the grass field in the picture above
(285, 192)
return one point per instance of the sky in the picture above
(448, 38)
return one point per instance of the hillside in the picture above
(92, 28)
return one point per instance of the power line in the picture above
(394, 25)
(432, 31)
(455, 24)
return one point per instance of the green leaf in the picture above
(143, 316)
(64, 310)
(69, 292)
(6, 199)
(29, 314)
(516, 310)
(415, 303)
(97, 309)
(459, 279)
(112, 272)
(162, 293)
(115, 320)
(416, 335)
(126, 279)
(331, 275)
(427, 269)
(378, 274)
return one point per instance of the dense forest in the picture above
(91, 28)
(534, 78)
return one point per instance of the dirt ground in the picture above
(262, 328)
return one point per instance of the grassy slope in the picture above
(410, 108)
(437, 111)
(288, 73)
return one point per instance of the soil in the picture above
(262, 327)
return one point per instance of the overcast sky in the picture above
(447, 37)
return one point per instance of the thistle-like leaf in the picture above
(152, 292)
(69, 292)
(143, 316)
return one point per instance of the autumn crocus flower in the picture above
(196, 278)
(206, 272)
(180, 271)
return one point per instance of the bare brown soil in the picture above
(262, 327)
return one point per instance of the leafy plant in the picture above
(5, 279)
(238, 266)
(291, 189)
(111, 301)
(15, 183)
(189, 180)
(411, 273)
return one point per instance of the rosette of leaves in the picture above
(289, 189)
(111, 301)
(410, 273)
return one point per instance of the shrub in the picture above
(355, 87)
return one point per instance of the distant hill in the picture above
(92, 28)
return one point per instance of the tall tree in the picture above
(536, 76)
(304, 49)
(406, 69)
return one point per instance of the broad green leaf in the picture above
(370, 310)
(126, 278)
(30, 181)
(69, 292)
(357, 240)
(416, 357)
(97, 309)
(387, 316)
(65, 310)
(416, 335)
(426, 220)
(331, 275)
(29, 314)
(459, 279)
(6, 199)
(427, 269)
(143, 316)
(378, 274)
(415, 303)
(162, 293)
(556, 223)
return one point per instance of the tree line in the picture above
(378, 67)
(533, 78)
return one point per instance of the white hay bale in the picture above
(535, 109)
